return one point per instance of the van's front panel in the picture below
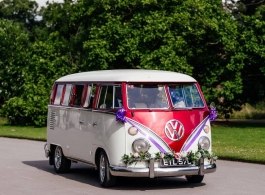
(165, 125)
(174, 127)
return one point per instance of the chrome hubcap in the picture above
(58, 157)
(102, 168)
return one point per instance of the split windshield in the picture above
(185, 96)
(142, 96)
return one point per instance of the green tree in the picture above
(192, 37)
(252, 39)
(59, 18)
(14, 52)
(21, 11)
(47, 64)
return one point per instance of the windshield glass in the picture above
(143, 96)
(185, 96)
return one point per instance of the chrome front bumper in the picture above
(162, 172)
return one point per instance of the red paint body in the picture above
(156, 121)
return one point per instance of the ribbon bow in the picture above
(213, 113)
(120, 115)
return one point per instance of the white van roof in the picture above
(127, 75)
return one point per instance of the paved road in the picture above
(24, 170)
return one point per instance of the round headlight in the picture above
(140, 145)
(204, 142)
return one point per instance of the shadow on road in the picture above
(83, 173)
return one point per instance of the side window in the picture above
(52, 94)
(106, 97)
(89, 100)
(117, 97)
(78, 94)
(67, 93)
(88, 96)
(58, 95)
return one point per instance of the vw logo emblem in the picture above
(174, 130)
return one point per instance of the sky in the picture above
(43, 2)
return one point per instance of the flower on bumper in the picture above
(183, 155)
(136, 155)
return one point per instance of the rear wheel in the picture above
(61, 163)
(105, 178)
(194, 178)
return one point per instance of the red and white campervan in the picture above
(130, 123)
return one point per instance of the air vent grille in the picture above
(52, 119)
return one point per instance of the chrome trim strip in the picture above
(83, 161)
(106, 111)
(160, 172)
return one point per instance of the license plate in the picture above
(175, 163)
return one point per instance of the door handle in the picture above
(94, 124)
(81, 122)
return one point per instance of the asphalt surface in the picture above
(24, 170)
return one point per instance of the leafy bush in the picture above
(26, 111)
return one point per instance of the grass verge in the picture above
(239, 140)
(22, 132)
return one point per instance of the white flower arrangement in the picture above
(184, 156)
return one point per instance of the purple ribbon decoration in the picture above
(213, 114)
(120, 116)
(196, 136)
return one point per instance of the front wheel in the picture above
(194, 178)
(105, 178)
(61, 163)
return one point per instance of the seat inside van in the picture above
(140, 105)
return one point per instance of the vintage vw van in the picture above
(130, 123)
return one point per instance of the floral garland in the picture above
(184, 156)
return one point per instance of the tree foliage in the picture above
(220, 45)
(192, 37)
(252, 39)
(20, 11)
(14, 52)
(46, 65)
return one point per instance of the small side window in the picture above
(118, 103)
(87, 96)
(110, 97)
(67, 94)
(78, 94)
(58, 96)
(106, 97)
(52, 97)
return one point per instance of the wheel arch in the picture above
(97, 155)
(51, 157)
(52, 150)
